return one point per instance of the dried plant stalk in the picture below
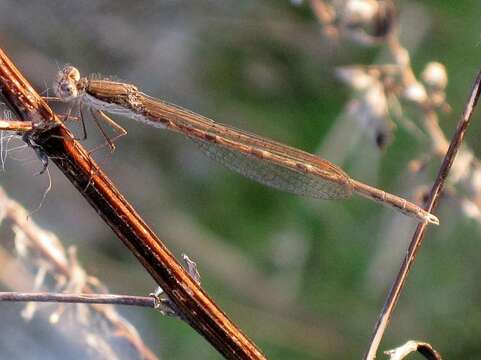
(427, 96)
(418, 236)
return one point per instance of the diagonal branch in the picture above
(418, 236)
(193, 304)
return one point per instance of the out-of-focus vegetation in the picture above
(304, 278)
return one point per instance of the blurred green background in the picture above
(305, 279)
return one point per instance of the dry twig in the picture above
(428, 98)
(418, 236)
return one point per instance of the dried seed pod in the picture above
(435, 76)
(415, 92)
(368, 21)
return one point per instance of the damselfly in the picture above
(266, 161)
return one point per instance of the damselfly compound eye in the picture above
(65, 85)
(72, 73)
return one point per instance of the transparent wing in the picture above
(330, 182)
(274, 175)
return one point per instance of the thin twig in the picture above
(19, 126)
(193, 304)
(418, 236)
(440, 148)
(143, 301)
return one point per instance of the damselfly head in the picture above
(65, 84)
